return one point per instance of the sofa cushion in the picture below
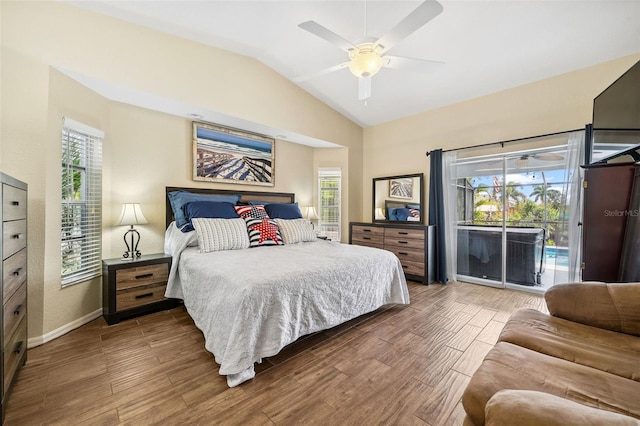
(525, 408)
(616, 353)
(603, 305)
(509, 366)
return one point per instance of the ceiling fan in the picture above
(368, 57)
(548, 156)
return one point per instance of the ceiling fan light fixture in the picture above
(365, 61)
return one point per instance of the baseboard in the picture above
(37, 341)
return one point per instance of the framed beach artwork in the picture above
(226, 155)
(401, 188)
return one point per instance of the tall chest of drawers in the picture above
(411, 244)
(13, 252)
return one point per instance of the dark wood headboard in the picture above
(245, 196)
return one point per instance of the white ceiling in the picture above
(487, 46)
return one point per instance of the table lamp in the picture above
(131, 215)
(311, 214)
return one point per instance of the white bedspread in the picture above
(251, 303)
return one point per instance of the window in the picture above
(81, 174)
(329, 201)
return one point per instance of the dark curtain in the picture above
(436, 215)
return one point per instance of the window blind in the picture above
(81, 224)
(329, 182)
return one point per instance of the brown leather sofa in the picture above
(578, 366)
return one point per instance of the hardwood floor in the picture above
(404, 365)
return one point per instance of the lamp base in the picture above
(132, 252)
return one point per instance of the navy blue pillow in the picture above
(283, 211)
(403, 214)
(208, 209)
(179, 198)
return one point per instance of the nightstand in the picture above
(135, 287)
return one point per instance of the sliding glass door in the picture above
(516, 223)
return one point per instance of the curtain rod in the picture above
(508, 141)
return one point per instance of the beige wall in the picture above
(143, 150)
(151, 150)
(559, 103)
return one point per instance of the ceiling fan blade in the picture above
(306, 77)
(416, 19)
(327, 35)
(549, 157)
(412, 64)
(364, 88)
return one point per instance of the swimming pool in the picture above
(557, 255)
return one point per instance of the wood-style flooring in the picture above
(404, 365)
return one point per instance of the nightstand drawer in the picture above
(141, 276)
(13, 352)
(14, 203)
(14, 310)
(14, 237)
(138, 296)
(14, 273)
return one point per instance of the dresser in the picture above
(411, 244)
(135, 287)
(13, 251)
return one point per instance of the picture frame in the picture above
(401, 188)
(226, 155)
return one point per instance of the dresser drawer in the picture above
(371, 231)
(14, 237)
(402, 233)
(14, 203)
(399, 243)
(404, 253)
(14, 310)
(13, 352)
(141, 276)
(139, 296)
(412, 268)
(14, 273)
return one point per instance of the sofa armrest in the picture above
(613, 307)
(532, 408)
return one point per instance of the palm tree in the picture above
(513, 192)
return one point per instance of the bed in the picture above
(252, 302)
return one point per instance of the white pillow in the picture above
(221, 234)
(296, 230)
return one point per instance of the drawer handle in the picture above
(403, 253)
(366, 238)
(18, 347)
(142, 296)
(17, 310)
(143, 276)
(15, 203)
(16, 272)
(404, 266)
(17, 236)
(403, 233)
(403, 242)
(366, 230)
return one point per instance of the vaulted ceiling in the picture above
(485, 46)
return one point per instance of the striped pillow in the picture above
(296, 230)
(220, 234)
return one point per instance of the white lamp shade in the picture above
(310, 213)
(131, 215)
(379, 214)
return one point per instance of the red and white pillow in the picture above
(262, 230)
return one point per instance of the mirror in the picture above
(399, 199)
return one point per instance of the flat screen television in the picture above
(616, 117)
